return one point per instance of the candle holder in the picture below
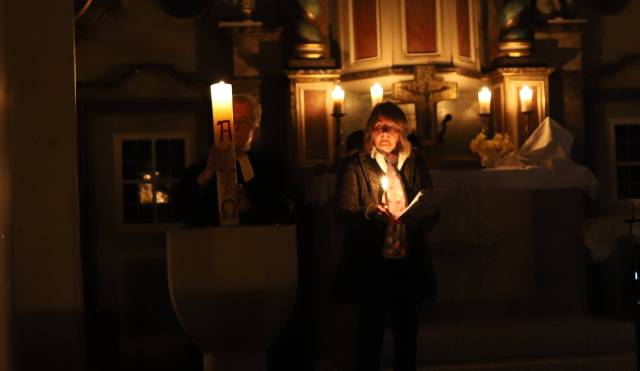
(527, 123)
(487, 126)
(484, 110)
(526, 107)
(337, 115)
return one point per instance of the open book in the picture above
(424, 204)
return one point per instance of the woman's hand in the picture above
(379, 212)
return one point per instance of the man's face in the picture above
(243, 121)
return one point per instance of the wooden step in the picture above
(607, 362)
(558, 343)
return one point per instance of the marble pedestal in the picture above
(233, 289)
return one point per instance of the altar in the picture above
(507, 250)
(508, 242)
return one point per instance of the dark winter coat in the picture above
(358, 186)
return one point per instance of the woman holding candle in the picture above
(387, 267)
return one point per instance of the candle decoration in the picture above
(337, 94)
(338, 99)
(484, 101)
(223, 137)
(526, 107)
(484, 110)
(377, 94)
(526, 99)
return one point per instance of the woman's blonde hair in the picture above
(393, 113)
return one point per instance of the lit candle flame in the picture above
(338, 99)
(526, 98)
(484, 101)
(384, 183)
(377, 92)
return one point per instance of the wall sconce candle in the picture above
(526, 99)
(338, 99)
(484, 101)
(377, 93)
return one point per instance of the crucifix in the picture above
(426, 90)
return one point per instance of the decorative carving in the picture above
(516, 37)
(311, 41)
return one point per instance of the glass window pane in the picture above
(177, 149)
(627, 142)
(177, 167)
(143, 150)
(145, 213)
(129, 170)
(162, 148)
(133, 210)
(128, 149)
(163, 168)
(130, 202)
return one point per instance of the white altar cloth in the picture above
(517, 179)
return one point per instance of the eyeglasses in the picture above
(386, 128)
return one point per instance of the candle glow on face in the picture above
(526, 99)
(377, 93)
(484, 101)
(337, 94)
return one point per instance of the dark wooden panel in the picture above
(464, 31)
(421, 26)
(365, 29)
(315, 120)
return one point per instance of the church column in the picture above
(5, 278)
(39, 126)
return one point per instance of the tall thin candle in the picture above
(223, 136)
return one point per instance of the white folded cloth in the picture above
(549, 147)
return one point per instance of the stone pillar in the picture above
(561, 43)
(38, 139)
(5, 198)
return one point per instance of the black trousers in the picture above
(391, 297)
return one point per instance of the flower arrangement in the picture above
(491, 150)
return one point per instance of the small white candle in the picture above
(484, 101)
(377, 93)
(526, 99)
(384, 183)
(338, 99)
